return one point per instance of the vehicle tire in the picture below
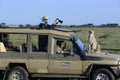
(17, 73)
(102, 74)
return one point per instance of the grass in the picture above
(108, 38)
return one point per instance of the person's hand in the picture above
(56, 22)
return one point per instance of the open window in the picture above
(13, 43)
(64, 49)
(39, 43)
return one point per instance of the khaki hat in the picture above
(45, 18)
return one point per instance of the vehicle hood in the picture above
(111, 55)
(103, 56)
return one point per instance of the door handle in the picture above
(58, 58)
(66, 63)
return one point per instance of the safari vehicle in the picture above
(31, 53)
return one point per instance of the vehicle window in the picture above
(13, 42)
(66, 50)
(39, 43)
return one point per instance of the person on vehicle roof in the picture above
(44, 23)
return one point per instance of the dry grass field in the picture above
(108, 38)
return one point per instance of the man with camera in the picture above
(44, 23)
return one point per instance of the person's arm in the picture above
(54, 24)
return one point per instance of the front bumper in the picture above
(117, 72)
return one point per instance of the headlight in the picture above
(119, 64)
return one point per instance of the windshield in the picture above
(78, 43)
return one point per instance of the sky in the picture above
(72, 12)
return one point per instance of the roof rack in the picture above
(66, 30)
(57, 29)
(12, 27)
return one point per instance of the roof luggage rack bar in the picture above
(57, 29)
(66, 30)
(13, 27)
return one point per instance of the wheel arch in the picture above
(94, 67)
(12, 65)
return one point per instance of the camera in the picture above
(60, 21)
(57, 21)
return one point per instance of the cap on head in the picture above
(45, 18)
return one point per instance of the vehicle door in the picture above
(66, 60)
(38, 62)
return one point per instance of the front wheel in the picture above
(17, 73)
(102, 74)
